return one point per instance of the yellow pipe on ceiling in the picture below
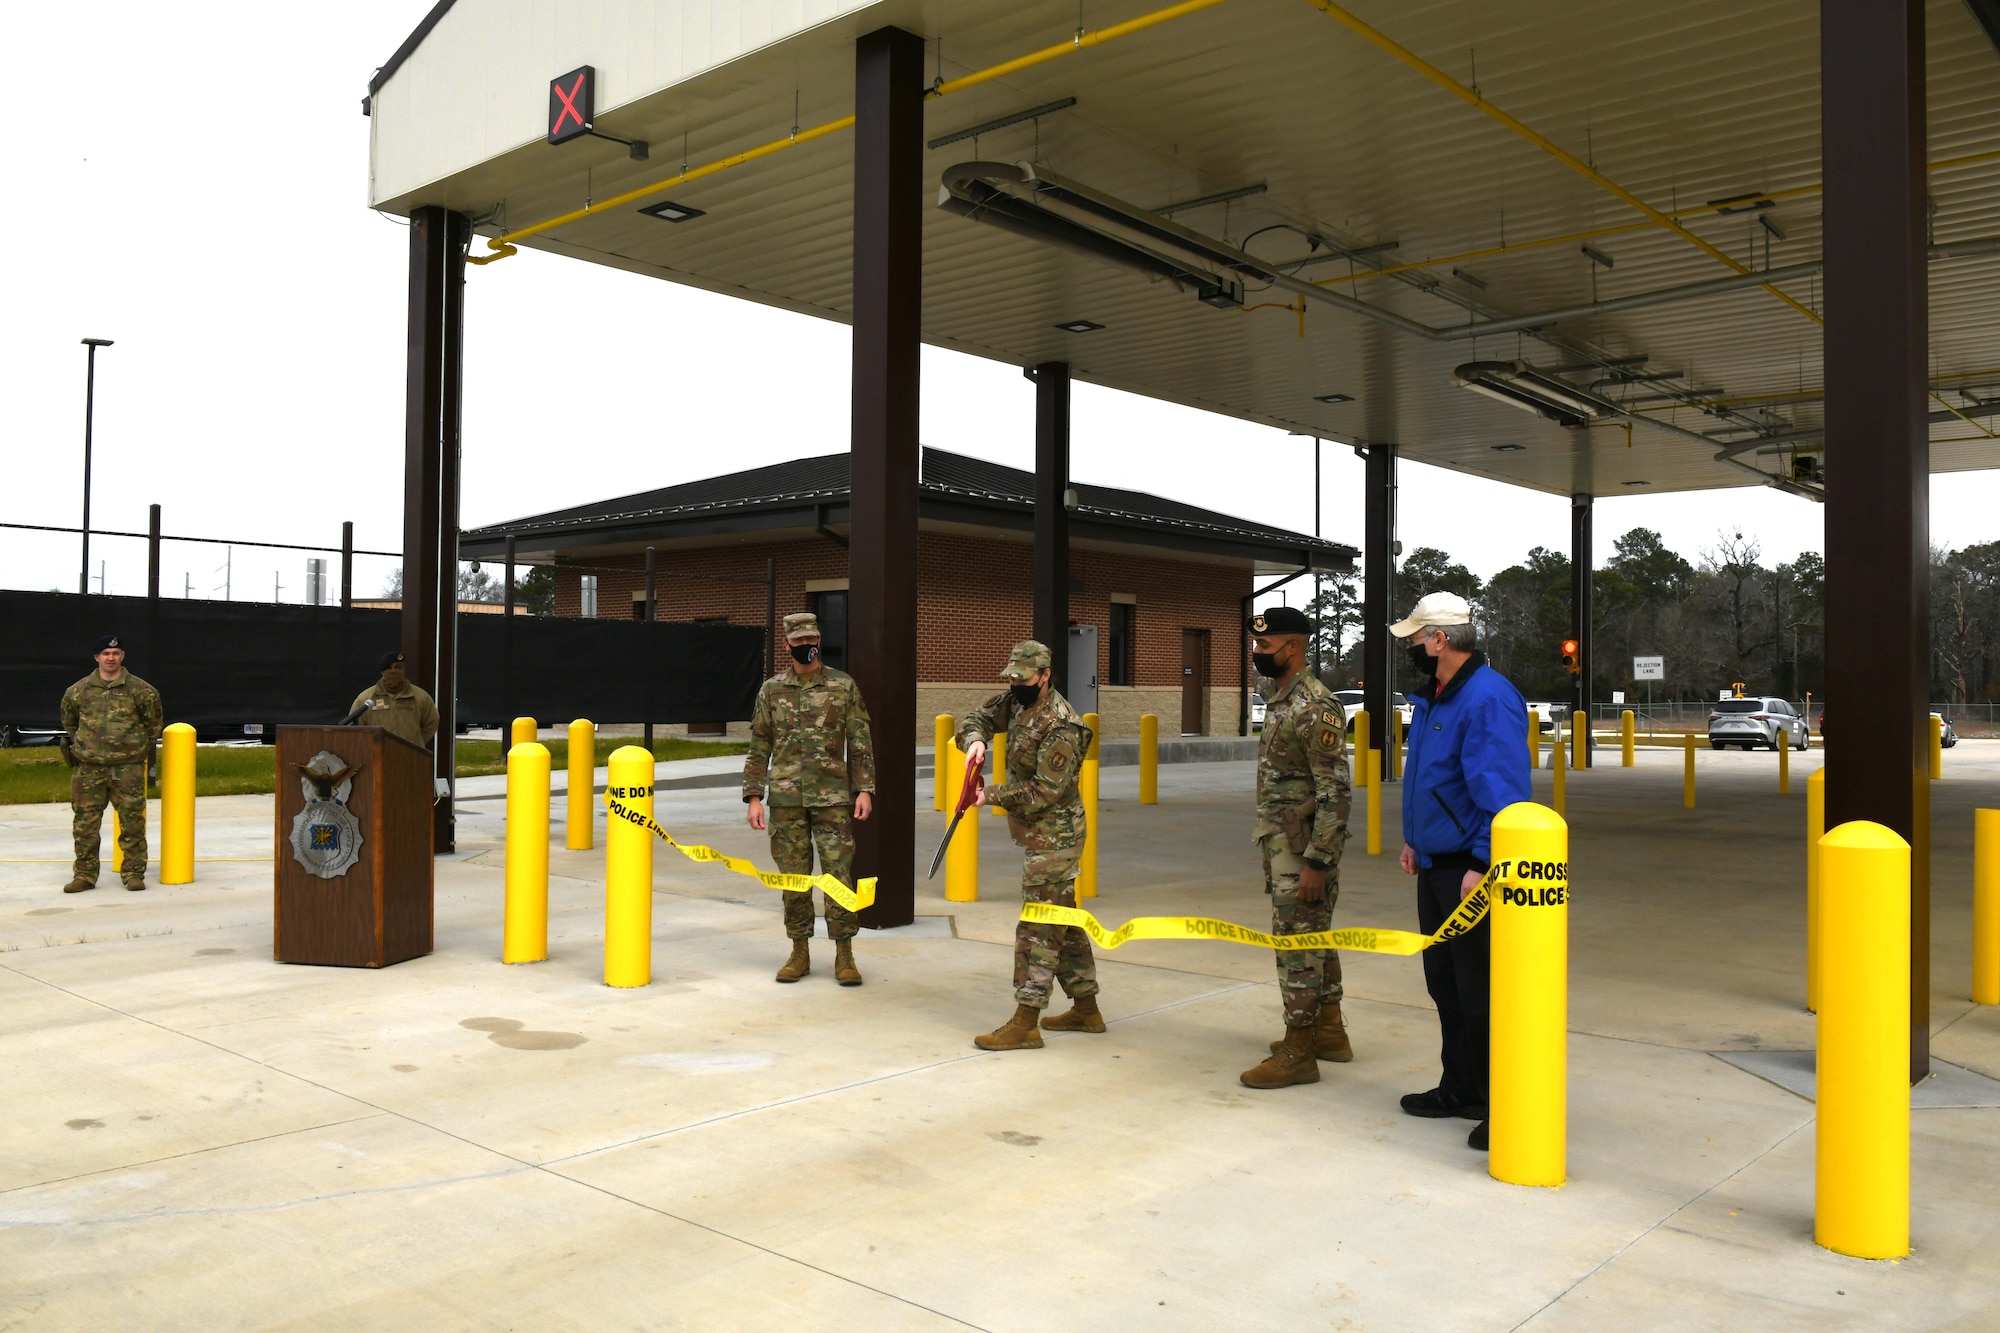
(1479, 103)
(501, 246)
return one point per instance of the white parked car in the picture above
(1351, 702)
(1756, 722)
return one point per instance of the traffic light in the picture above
(1570, 658)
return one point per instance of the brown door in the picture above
(1194, 680)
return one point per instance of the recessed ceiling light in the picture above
(1079, 326)
(1506, 448)
(1333, 398)
(1635, 483)
(670, 211)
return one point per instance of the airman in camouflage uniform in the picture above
(812, 757)
(112, 719)
(1303, 799)
(1046, 745)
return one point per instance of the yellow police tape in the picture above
(854, 899)
(1359, 939)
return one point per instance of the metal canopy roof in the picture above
(1358, 159)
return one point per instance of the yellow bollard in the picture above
(961, 859)
(1579, 741)
(1086, 785)
(1361, 746)
(1149, 759)
(628, 873)
(1937, 747)
(1373, 758)
(1534, 739)
(1687, 775)
(1528, 1088)
(523, 731)
(1861, 1172)
(525, 936)
(1815, 826)
(1395, 743)
(999, 752)
(1558, 771)
(117, 849)
(1627, 738)
(177, 805)
(941, 798)
(582, 780)
(1986, 907)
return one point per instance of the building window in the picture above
(1124, 633)
(587, 594)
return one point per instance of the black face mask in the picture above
(1025, 696)
(1266, 664)
(805, 654)
(1426, 665)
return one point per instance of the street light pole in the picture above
(89, 411)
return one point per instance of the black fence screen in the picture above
(226, 663)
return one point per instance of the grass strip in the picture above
(37, 774)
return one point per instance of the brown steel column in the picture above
(882, 544)
(438, 238)
(1580, 562)
(1878, 442)
(1378, 591)
(1051, 561)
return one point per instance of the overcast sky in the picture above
(194, 189)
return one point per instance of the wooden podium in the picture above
(377, 910)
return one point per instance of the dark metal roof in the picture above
(950, 487)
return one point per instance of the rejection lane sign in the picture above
(1649, 668)
(572, 104)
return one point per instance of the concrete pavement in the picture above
(197, 1137)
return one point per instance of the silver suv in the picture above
(1756, 723)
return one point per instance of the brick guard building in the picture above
(1160, 586)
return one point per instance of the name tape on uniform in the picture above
(1533, 884)
(854, 899)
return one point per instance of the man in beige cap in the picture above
(1046, 744)
(812, 758)
(1466, 764)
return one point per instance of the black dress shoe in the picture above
(1438, 1105)
(1477, 1138)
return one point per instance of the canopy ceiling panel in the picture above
(1366, 178)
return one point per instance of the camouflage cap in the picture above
(801, 625)
(1025, 660)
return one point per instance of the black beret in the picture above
(388, 660)
(1281, 620)
(105, 641)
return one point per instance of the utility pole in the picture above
(89, 412)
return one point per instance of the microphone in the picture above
(349, 720)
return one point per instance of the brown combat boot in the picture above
(1082, 1017)
(798, 964)
(1329, 1038)
(1022, 1032)
(1292, 1062)
(80, 885)
(136, 885)
(844, 970)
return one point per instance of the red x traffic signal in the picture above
(572, 104)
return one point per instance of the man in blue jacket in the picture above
(1467, 761)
